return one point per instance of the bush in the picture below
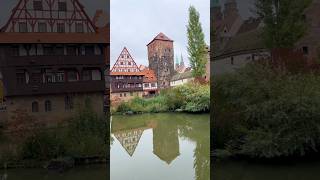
(190, 98)
(261, 112)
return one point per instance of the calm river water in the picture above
(160, 147)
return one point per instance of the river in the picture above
(170, 146)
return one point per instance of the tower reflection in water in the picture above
(167, 132)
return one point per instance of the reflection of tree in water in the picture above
(166, 131)
(198, 130)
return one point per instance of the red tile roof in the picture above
(161, 37)
(149, 75)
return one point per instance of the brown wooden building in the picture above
(52, 58)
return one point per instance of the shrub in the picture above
(261, 112)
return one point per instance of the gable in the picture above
(49, 16)
(125, 63)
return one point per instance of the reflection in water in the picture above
(168, 131)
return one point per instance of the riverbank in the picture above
(82, 140)
(192, 98)
(265, 113)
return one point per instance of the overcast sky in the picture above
(90, 7)
(134, 23)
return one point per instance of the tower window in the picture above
(35, 106)
(37, 5)
(47, 106)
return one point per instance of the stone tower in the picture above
(161, 59)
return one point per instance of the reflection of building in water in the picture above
(129, 139)
(166, 141)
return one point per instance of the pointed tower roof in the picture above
(125, 65)
(161, 37)
(181, 61)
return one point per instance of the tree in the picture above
(284, 21)
(196, 44)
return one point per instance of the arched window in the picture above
(47, 106)
(35, 106)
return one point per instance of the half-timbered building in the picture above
(52, 58)
(126, 78)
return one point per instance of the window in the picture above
(37, 5)
(71, 50)
(96, 75)
(68, 102)
(48, 50)
(47, 106)
(49, 76)
(72, 76)
(124, 94)
(120, 95)
(146, 85)
(305, 50)
(59, 50)
(79, 27)
(60, 76)
(153, 85)
(62, 6)
(21, 77)
(121, 63)
(42, 27)
(35, 106)
(36, 77)
(15, 50)
(89, 50)
(60, 28)
(23, 27)
(232, 60)
(129, 63)
(86, 75)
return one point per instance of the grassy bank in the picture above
(192, 97)
(84, 136)
(260, 112)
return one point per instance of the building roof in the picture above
(161, 37)
(184, 75)
(125, 65)
(149, 75)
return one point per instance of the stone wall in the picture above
(161, 61)
(58, 111)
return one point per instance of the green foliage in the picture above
(260, 112)
(42, 146)
(189, 98)
(284, 21)
(196, 44)
(87, 133)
